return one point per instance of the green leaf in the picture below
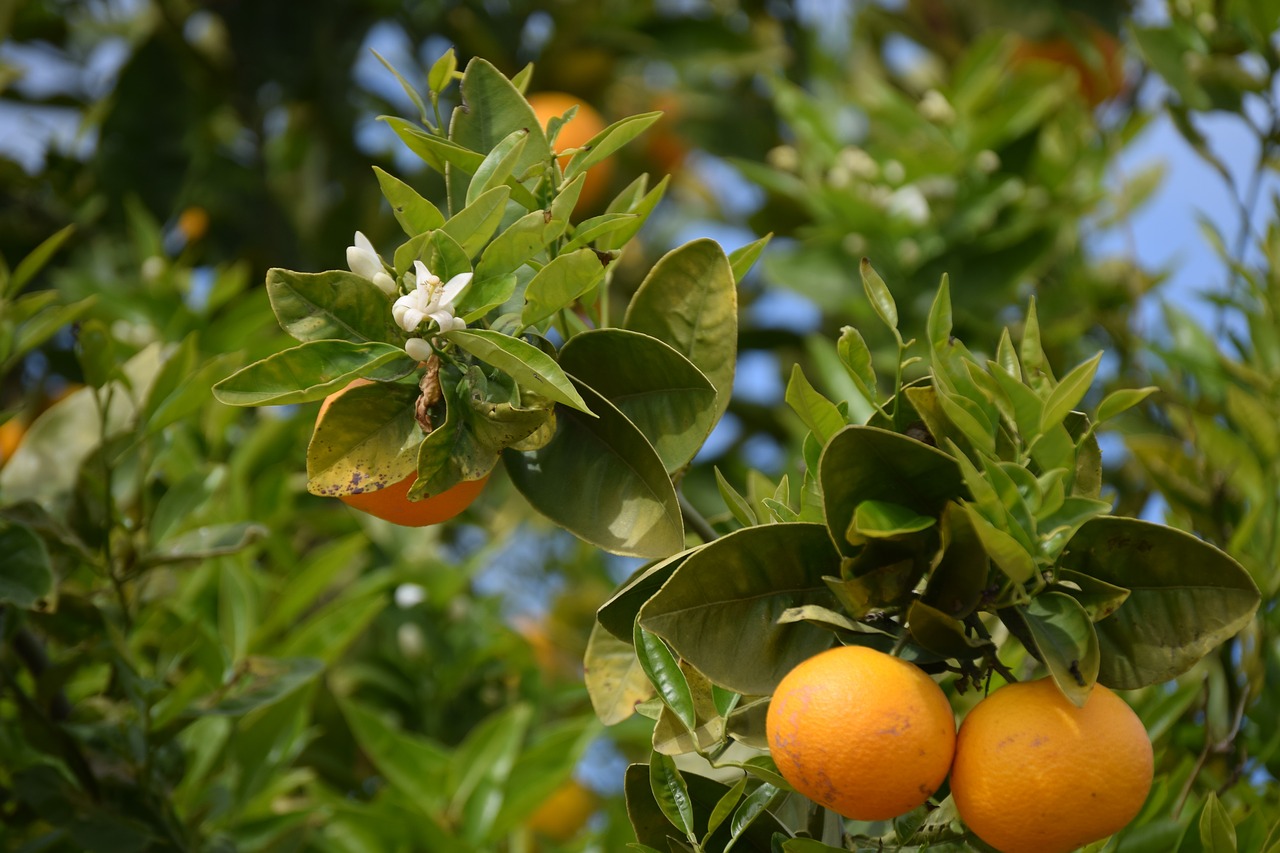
(529, 366)
(689, 302)
(35, 261)
(957, 581)
(878, 295)
(615, 680)
(1098, 598)
(600, 479)
(1035, 365)
(441, 73)
(818, 413)
(411, 92)
(1007, 357)
(885, 520)
(415, 214)
(492, 108)
(28, 575)
(871, 464)
(498, 165)
(334, 305)
(206, 542)
(1186, 597)
(261, 682)
(619, 613)
(743, 258)
(1003, 549)
(1065, 641)
(940, 633)
(546, 764)
(725, 807)
(939, 324)
(855, 355)
(559, 284)
(671, 793)
(653, 829)
(514, 247)
(481, 765)
(663, 671)
(367, 440)
(660, 391)
(1122, 400)
(472, 226)
(748, 577)
(1068, 394)
(641, 209)
(1217, 832)
(597, 227)
(737, 504)
(755, 805)
(95, 350)
(1025, 404)
(434, 150)
(607, 141)
(312, 371)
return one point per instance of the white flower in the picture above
(364, 262)
(430, 299)
(936, 108)
(910, 204)
(418, 349)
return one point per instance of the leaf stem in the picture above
(695, 520)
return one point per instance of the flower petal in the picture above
(363, 263)
(418, 349)
(455, 286)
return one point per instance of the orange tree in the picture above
(960, 526)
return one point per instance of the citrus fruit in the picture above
(585, 124)
(565, 812)
(865, 734)
(391, 503)
(1035, 774)
(1100, 73)
(11, 432)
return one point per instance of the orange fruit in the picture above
(586, 123)
(11, 432)
(391, 503)
(1101, 75)
(193, 222)
(1035, 774)
(865, 734)
(563, 814)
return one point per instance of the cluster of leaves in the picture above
(970, 499)
(637, 400)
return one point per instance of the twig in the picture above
(695, 520)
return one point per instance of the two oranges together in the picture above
(871, 737)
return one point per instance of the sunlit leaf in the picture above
(559, 284)
(1065, 641)
(523, 362)
(615, 681)
(366, 441)
(415, 214)
(334, 305)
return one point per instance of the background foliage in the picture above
(200, 655)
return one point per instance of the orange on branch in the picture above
(1035, 774)
(586, 123)
(865, 734)
(1099, 66)
(391, 503)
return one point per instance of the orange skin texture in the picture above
(391, 503)
(1101, 77)
(865, 734)
(1035, 774)
(586, 123)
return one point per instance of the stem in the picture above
(695, 520)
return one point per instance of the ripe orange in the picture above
(565, 812)
(1101, 76)
(860, 732)
(11, 432)
(1035, 774)
(586, 123)
(392, 503)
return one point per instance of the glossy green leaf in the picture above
(500, 110)
(597, 227)
(602, 480)
(619, 612)
(434, 150)
(1025, 405)
(529, 366)
(968, 417)
(939, 323)
(366, 441)
(818, 413)
(878, 295)
(1007, 357)
(1098, 598)
(736, 503)
(334, 305)
(653, 829)
(664, 674)
(28, 574)
(515, 246)
(1217, 832)
(497, 165)
(867, 463)
(886, 520)
(559, 284)
(1186, 597)
(312, 371)
(689, 302)
(660, 391)
(671, 793)
(1035, 365)
(725, 807)
(607, 141)
(415, 214)
(442, 71)
(748, 577)
(752, 808)
(942, 634)
(1065, 641)
(1068, 393)
(615, 680)
(743, 258)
